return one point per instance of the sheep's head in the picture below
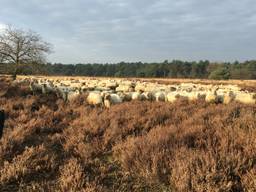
(107, 97)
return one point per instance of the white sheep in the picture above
(159, 96)
(111, 99)
(48, 88)
(94, 98)
(72, 95)
(147, 96)
(140, 87)
(171, 97)
(246, 98)
(228, 97)
(192, 96)
(211, 96)
(136, 96)
(126, 96)
(111, 84)
(35, 87)
(124, 88)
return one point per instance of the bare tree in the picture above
(20, 47)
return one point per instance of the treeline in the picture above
(173, 69)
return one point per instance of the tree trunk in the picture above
(14, 76)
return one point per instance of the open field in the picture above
(52, 145)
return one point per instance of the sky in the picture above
(87, 31)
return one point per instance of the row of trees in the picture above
(173, 69)
(23, 52)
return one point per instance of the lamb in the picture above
(111, 99)
(94, 98)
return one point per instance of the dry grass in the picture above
(49, 145)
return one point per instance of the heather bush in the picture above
(50, 145)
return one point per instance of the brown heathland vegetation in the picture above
(49, 145)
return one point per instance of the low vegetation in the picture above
(50, 145)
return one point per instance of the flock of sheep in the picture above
(113, 91)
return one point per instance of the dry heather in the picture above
(49, 145)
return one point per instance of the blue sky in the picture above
(83, 31)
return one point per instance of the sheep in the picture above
(135, 95)
(103, 93)
(246, 98)
(35, 87)
(211, 96)
(126, 96)
(84, 88)
(94, 98)
(111, 85)
(101, 89)
(159, 96)
(150, 88)
(192, 96)
(228, 97)
(75, 85)
(147, 96)
(201, 95)
(60, 91)
(111, 99)
(140, 87)
(48, 88)
(64, 92)
(171, 97)
(124, 88)
(2, 120)
(72, 95)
